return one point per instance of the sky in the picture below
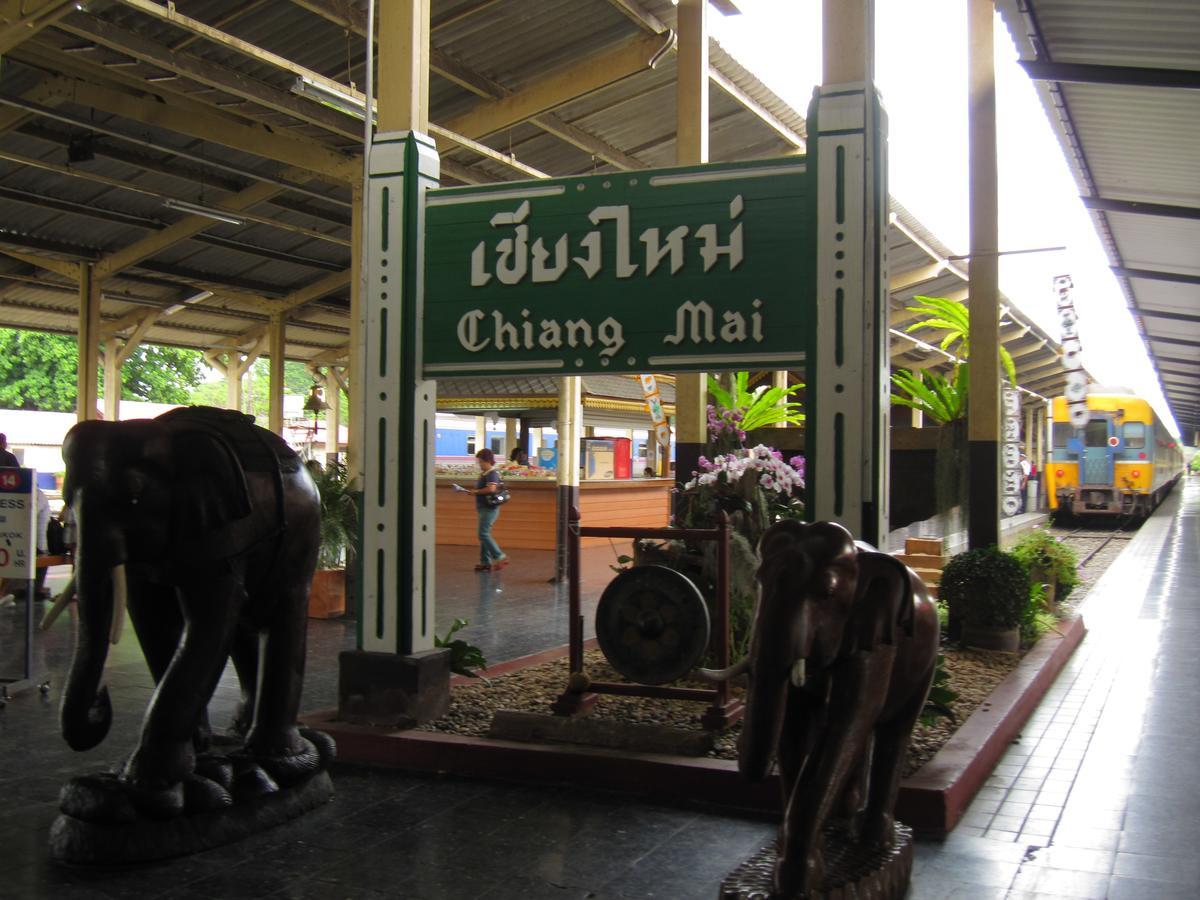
(921, 76)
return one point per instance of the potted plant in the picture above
(339, 524)
(1050, 562)
(986, 592)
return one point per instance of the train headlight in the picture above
(1059, 473)
(1136, 473)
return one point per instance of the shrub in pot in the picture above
(339, 524)
(1050, 562)
(986, 591)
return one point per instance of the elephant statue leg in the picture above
(887, 766)
(158, 622)
(245, 652)
(165, 755)
(274, 740)
(859, 688)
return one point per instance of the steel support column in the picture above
(691, 148)
(89, 343)
(983, 402)
(277, 331)
(848, 368)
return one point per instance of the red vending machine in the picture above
(622, 457)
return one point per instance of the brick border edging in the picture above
(933, 798)
(931, 801)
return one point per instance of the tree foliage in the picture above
(38, 371)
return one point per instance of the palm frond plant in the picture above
(739, 410)
(954, 318)
(339, 514)
(937, 397)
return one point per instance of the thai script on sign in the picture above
(514, 259)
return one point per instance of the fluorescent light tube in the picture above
(195, 209)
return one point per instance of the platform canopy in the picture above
(1121, 86)
(204, 157)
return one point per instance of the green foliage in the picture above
(988, 587)
(935, 396)
(954, 318)
(339, 513)
(464, 657)
(1043, 553)
(1036, 619)
(256, 386)
(937, 704)
(765, 405)
(38, 371)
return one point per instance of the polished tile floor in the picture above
(1099, 798)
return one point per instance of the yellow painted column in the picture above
(89, 343)
(691, 148)
(333, 412)
(278, 335)
(233, 380)
(404, 66)
(983, 406)
(112, 380)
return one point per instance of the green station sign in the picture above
(685, 269)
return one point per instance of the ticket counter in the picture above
(528, 521)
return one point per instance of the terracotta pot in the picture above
(327, 597)
(1007, 639)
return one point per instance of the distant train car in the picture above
(1122, 463)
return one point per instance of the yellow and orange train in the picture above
(1122, 463)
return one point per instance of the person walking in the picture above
(8, 459)
(491, 557)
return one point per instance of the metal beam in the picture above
(22, 19)
(309, 293)
(189, 226)
(1132, 76)
(768, 118)
(589, 74)
(221, 78)
(57, 266)
(257, 139)
(902, 281)
(1155, 275)
(1137, 207)
(1183, 342)
(1166, 314)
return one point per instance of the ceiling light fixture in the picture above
(208, 212)
(195, 298)
(341, 100)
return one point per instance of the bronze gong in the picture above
(652, 624)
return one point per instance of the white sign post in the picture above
(18, 553)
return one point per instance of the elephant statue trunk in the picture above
(86, 710)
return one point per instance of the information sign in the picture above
(1010, 503)
(18, 521)
(685, 269)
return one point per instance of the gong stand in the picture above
(581, 694)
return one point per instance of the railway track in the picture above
(1104, 536)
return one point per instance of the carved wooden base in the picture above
(78, 842)
(852, 872)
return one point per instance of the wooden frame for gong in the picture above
(581, 692)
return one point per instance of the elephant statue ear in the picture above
(210, 490)
(885, 598)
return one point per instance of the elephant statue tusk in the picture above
(798, 675)
(60, 603)
(120, 593)
(718, 675)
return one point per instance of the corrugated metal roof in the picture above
(1133, 143)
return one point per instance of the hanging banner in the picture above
(1010, 447)
(658, 416)
(1072, 358)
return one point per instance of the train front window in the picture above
(1135, 435)
(1096, 434)
(1062, 433)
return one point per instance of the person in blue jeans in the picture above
(491, 557)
